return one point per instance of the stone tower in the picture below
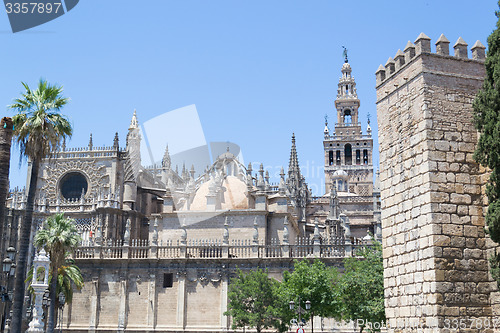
(435, 263)
(348, 153)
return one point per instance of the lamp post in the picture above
(62, 300)
(300, 310)
(8, 270)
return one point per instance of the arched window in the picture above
(358, 156)
(348, 154)
(365, 156)
(347, 117)
(337, 158)
(330, 157)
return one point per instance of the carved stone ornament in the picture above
(95, 174)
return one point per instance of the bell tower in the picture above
(348, 152)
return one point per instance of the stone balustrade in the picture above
(216, 249)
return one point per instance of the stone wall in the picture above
(435, 263)
(133, 296)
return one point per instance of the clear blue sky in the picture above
(256, 70)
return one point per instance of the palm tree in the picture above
(58, 237)
(5, 143)
(39, 130)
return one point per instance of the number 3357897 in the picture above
(32, 7)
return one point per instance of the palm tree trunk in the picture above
(22, 258)
(5, 143)
(52, 296)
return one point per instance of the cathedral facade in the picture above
(159, 245)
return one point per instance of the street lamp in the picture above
(62, 300)
(8, 269)
(6, 263)
(299, 309)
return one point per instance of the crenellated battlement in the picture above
(422, 45)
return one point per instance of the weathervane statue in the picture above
(345, 53)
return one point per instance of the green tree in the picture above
(58, 237)
(252, 300)
(487, 121)
(312, 282)
(39, 130)
(69, 276)
(361, 287)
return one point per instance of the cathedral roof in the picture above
(234, 195)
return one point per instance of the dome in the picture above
(340, 174)
(235, 195)
(346, 67)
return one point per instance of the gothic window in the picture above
(330, 157)
(347, 117)
(73, 185)
(337, 158)
(348, 154)
(358, 156)
(365, 156)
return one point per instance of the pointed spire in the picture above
(192, 172)
(166, 161)
(249, 176)
(116, 143)
(91, 144)
(260, 181)
(293, 165)
(184, 172)
(134, 123)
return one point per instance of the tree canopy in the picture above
(487, 121)
(252, 300)
(361, 287)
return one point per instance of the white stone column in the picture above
(122, 307)
(152, 306)
(181, 299)
(224, 320)
(94, 304)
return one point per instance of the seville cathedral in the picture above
(160, 246)
(165, 243)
